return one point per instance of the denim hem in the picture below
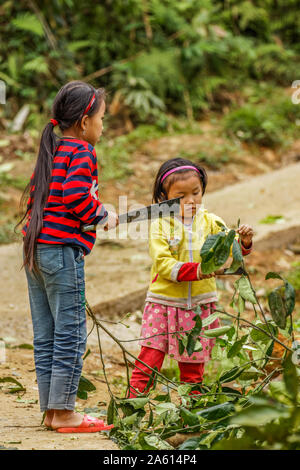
(60, 407)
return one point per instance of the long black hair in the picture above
(160, 189)
(68, 109)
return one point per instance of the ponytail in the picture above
(39, 191)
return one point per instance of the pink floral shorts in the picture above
(158, 319)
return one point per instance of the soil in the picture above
(116, 267)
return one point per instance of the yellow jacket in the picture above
(171, 245)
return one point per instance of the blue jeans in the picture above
(57, 303)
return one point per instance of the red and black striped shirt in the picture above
(73, 198)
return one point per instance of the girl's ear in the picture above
(83, 123)
(162, 196)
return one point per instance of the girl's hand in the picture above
(201, 276)
(246, 234)
(112, 221)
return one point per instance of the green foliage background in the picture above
(162, 56)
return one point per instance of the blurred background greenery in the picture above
(157, 58)
(168, 66)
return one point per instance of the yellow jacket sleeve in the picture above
(164, 263)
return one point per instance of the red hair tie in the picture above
(54, 122)
(89, 105)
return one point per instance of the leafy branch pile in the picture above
(243, 406)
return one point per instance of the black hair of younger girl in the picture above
(68, 109)
(160, 190)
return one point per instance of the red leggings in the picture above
(189, 372)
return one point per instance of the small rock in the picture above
(228, 286)
(248, 305)
(282, 263)
(289, 252)
(261, 292)
(15, 374)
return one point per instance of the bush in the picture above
(256, 124)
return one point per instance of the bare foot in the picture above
(66, 419)
(48, 418)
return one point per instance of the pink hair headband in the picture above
(184, 167)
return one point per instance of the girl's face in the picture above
(190, 191)
(93, 125)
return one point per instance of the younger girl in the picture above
(177, 285)
(63, 196)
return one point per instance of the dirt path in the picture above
(113, 269)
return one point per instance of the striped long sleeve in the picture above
(80, 189)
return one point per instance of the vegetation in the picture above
(156, 58)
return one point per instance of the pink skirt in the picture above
(158, 319)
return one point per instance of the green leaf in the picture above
(154, 441)
(130, 420)
(273, 275)
(82, 394)
(162, 397)
(259, 336)
(152, 377)
(198, 326)
(237, 251)
(250, 374)
(84, 386)
(28, 22)
(198, 346)
(190, 444)
(233, 267)
(277, 308)
(137, 403)
(86, 354)
(23, 346)
(111, 411)
(217, 412)
(215, 332)
(210, 244)
(271, 219)
(291, 379)
(191, 344)
(188, 417)
(210, 319)
(183, 390)
(257, 415)
(231, 374)
(19, 387)
(290, 298)
(237, 346)
(164, 407)
(241, 304)
(245, 289)
(180, 347)
(223, 250)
